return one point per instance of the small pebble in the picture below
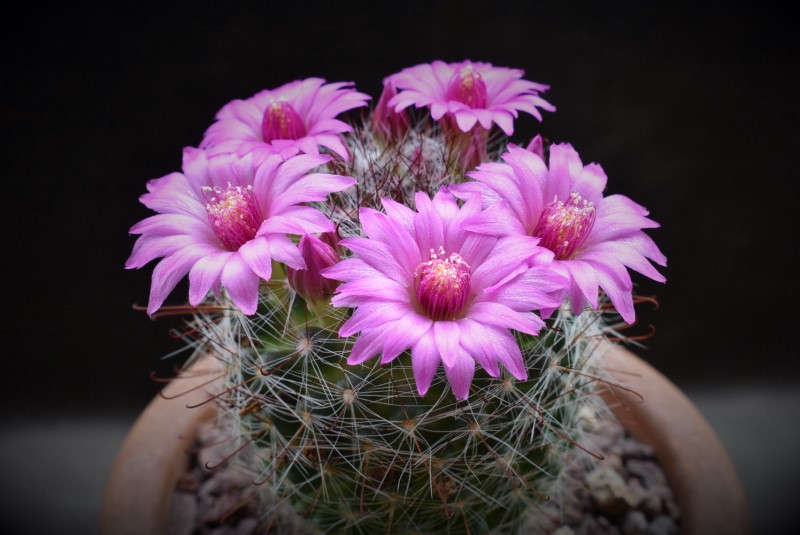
(247, 526)
(662, 525)
(648, 471)
(609, 491)
(633, 449)
(634, 523)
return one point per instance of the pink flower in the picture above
(594, 238)
(421, 281)
(308, 282)
(297, 117)
(469, 93)
(386, 123)
(223, 222)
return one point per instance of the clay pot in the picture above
(144, 475)
(698, 468)
(710, 496)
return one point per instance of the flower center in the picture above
(281, 121)
(233, 213)
(563, 227)
(467, 86)
(443, 285)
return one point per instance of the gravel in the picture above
(624, 494)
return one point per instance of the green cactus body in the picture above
(355, 449)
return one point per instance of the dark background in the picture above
(691, 112)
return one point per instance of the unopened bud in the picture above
(388, 124)
(308, 283)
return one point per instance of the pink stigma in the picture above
(443, 285)
(233, 213)
(467, 86)
(281, 121)
(563, 227)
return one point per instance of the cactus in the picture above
(371, 446)
(354, 448)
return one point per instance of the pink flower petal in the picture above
(460, 373)
(241, 283)
(404, 333)
(368, 344)
(282, 249)
(499, 315)
(446, 336)
(425, 361)
(256, 253)
(373, 314)
(172, 269)
(474, 340)
(205, 274)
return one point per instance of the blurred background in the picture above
(692, 112)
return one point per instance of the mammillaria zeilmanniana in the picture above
(410, 311)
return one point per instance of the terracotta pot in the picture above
(152, 458)
(696, 464)
(709, 493)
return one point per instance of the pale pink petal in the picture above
(282, 249)
(536, 289)
(256, 253)
(564, 163)
(399, 212)
(404, 334)
(373, 314)
(350, 269)
(368, 344)
(475, 341)
(172, 269)
(241, 284)
(619, 293)
(381, 257)
(584, 277)
(382, 228)
(149, 247)
(370, 288)
(509, 253)
(172, 224)
(460, 373)
(465, 121)
(499, 315)
(497, 220)
(205, 274)
(628, 256)
(444, 203)
(334, 143)
(296, 220)
(446, 335)
(428, 226)
(508, 352)
(425, 361)
(590, 182)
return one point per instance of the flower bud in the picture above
(388, 124)
(308, 283)
(536, 146)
